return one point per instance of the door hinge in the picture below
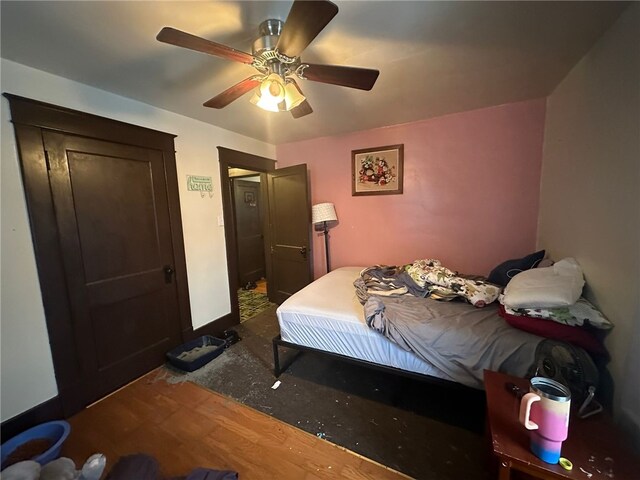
(46, 160)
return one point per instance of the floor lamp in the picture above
(321, 214)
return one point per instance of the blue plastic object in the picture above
(187, 357)
(56, 431)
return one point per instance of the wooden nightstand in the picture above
(595, 446)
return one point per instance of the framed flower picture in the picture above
(377, 171)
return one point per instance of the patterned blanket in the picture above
(424, 278)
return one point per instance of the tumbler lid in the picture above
(548, 388)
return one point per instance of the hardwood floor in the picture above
(186, 426)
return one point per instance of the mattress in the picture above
(326, 315)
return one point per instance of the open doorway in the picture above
(249, 214)
(237, 166)
(286, 207)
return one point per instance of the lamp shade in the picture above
(323, 212)
(292, 96)
(265, 102)
(273, 87)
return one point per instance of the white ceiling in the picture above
(434, 57)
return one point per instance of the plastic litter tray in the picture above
(196, 353)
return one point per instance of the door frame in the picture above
(236, 159)
(30, 118)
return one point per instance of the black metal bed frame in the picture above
(278, 368)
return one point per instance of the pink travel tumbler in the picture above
(545, 411)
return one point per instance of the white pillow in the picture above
(557, 286)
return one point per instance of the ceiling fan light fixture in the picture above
(266, 102)
(292, 97)
(273, 87)
(287, 97)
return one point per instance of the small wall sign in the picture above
(198, 183)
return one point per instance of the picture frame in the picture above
(377, 171)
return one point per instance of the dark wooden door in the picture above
(112, 215)
(289, 232)
(251, 265)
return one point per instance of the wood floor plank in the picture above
(253, 426)
(180, 392)
(367, 470)
(147, 404)
(236, 446)
(186, 426)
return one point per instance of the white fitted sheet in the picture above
(326, 315)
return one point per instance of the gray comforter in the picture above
(457, 338)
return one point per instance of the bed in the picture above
(327, 317)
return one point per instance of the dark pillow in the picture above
(509, 269)
(579, 336)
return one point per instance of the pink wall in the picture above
(471, 190)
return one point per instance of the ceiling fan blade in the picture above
(305, 21)
(199, 44)
(353, 77)
(233, 93)
(304, 108)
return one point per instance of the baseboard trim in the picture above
(45, 412)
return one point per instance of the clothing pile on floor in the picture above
(131, 467)
(145, 467)
(59, 469)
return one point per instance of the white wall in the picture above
(26, 365)
(590, 190)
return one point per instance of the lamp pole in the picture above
(326, 243)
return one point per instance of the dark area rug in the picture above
(252, 303)
(424, 430)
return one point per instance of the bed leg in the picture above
(276, 358)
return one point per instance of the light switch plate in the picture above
(220, 221)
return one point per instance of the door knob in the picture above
(168, 273)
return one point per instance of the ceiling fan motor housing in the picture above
(268, 60)
(269, 32)
(273, 26)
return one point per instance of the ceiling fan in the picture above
(276, 57)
